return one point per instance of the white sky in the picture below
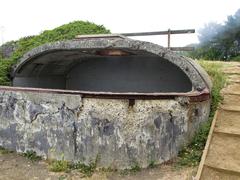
(21, 18)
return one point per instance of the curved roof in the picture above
(89, 46)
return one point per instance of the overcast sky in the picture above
(19, 18)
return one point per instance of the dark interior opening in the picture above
(136, 72)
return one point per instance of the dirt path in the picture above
(16, 167)
(221, 158)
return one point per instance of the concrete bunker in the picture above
(125, 101)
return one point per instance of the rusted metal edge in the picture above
(200, 98)
(194, 96)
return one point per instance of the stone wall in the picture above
(7, 49)
(82, 129)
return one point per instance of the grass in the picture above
(87, 170)
(191, 154)
(134, 169)
(152, 164)
(59, 166)
(65, 166)
(32, 156)
(4, 151)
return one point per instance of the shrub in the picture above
(64, 32)
(32, 155)
(59, 166)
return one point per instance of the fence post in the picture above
(169, 33)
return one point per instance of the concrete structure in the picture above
(126, 102)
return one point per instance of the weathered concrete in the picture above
(82, 129)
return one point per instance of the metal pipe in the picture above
(169, 33)
(185, 31)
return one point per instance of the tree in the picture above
(219, 41)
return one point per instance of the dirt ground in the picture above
(17, 167)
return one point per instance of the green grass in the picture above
(32, 156)
(87, 170)
(219, 79)
(134, 169)
(64, 32)
(191, 154)
(4, 151)
(59, 166)
(66, 166)
(152, 164)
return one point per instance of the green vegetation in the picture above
(62, 177)
(59, 166)
(134, 168)
(5, 68)
(219, 41)
(64, 32)
(65, 166)
(152, 164)
(237, 58)
(4, 151)
(88, 170)
(32, 155)
(191, 155)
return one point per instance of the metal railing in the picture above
(168, 33)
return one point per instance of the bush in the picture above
(32, 155)
(64, 32)
(87, 170)
(5, 67)
(59, 166)
(236, 58)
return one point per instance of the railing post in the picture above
(169, 33)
